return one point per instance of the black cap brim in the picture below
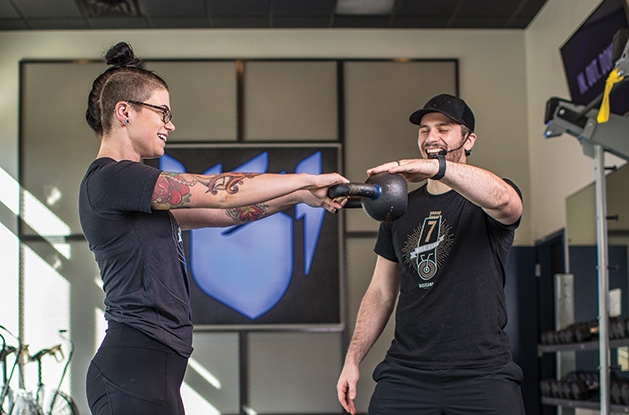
(416, 117)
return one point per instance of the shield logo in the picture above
(249, 267)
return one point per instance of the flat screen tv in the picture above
(588, 58)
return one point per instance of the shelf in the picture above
(566, 403)
(591, 345)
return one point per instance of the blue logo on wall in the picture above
(231, 264)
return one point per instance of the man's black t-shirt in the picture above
(139, 251)
(451, 310)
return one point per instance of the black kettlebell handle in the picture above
(372, 191)
(383, 196)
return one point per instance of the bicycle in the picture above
(53, 402)
(6, 394)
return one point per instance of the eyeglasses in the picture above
(166, 114)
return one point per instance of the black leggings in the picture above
(134, 374)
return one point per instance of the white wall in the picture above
(558, 167)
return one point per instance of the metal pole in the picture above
(21, 319)
(603, 279)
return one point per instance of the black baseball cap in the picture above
(448, 105)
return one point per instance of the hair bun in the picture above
(121, 55)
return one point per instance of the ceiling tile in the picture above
(361, 21)
(179, 22)
(301, 21)
(118, 23)
(169, 8)
(500, 9)
(245, 22)
(520, 22)
(426, 7)
(531, 8)
(13, 24)
(238, 7)
(478, 22)
(262, 14)
(57, 24)
(48, 8)
(303, 7)
(7, 11)
(410, 22)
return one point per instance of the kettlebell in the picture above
(383, 196)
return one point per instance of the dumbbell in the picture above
(590, 378)
(548, 337)
(566, 389)
(586, 331)
(545, 388)
(556, 390)
(620, 392)
(617, 327)
(383, 196)
(583, 384)
(567, 335)
(579, 390)
(624, 393)
(615, 393)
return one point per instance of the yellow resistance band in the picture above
(603, 112)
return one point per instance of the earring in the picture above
(126, 121)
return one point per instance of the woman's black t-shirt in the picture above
(139, 251)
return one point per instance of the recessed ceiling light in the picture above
(362, 7)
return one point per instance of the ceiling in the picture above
(265, 14)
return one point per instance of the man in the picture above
(444, 261)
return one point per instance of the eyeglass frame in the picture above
(167, 115)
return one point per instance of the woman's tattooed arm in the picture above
(173, 190)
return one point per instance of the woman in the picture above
(132, 215)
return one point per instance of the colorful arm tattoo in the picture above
(247, 213)
(173, 190)
(227, 181)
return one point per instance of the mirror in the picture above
(583, 257)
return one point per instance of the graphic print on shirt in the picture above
(178, 240)
(427, 247)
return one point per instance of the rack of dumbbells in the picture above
(583, 387)
(580, 389)
(576, 386)
(584, 336)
